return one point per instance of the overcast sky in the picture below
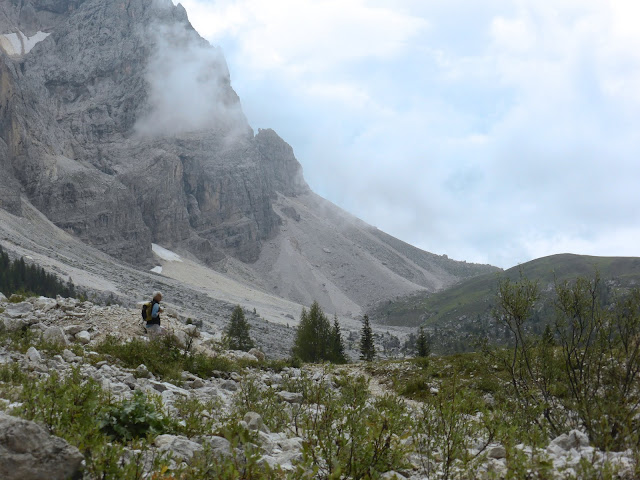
(494, 131)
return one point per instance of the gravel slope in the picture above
(191, 290)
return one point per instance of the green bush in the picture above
(210, 465)
(135, 418)
(67, 406)
(588, 363)
(12, 373)
(417, 387)
(71, 407)
(349, 435)
(196, 417)
(446, 427)
(264, 401)
(167, 358)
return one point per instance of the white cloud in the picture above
(491, 131)
(188, 86)
(305, 35)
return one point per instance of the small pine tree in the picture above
(367, 348)
(337, 346)
(423, 344)
(237, 332)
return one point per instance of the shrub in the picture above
(446, 427)
(589, 364)
(349, 435)
(135, 418)
(196, 417)
(165, 357)
(66, 406)
(264, 401)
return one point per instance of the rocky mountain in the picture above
(118, 122)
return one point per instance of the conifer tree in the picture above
(337, 346)
(367, 348)
(30, 279)
(423, 344)
(237, 332)
(314, 339)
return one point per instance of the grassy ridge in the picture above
(476, 296)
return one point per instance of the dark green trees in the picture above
(316, 340)
(423, 344)
(367, 348)
(237, 332)
(22, 278)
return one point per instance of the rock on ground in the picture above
(180, 447)
(28, 452)
(55, 335)
(83, 337)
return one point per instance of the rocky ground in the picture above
(27, 450)
(190, 289)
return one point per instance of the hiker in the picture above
(152, 317)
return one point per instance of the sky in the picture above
(494, 132)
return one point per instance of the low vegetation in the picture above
(167, 357)
(488, 414)
(582, 371)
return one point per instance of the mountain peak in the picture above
(123, 129)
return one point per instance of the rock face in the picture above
(28, 452)
(85, 133)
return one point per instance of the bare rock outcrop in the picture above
(84, 133)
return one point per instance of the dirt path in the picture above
(376, 388)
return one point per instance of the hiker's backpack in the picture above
(147, 308)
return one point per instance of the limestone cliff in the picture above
(82, 137)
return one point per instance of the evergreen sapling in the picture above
(337, 347)
(367, 348)
(237, 332)
(423, 344)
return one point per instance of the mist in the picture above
(189, 86)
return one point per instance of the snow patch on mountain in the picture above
(165, 254)
(18, 43)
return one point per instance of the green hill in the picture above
(463, 311)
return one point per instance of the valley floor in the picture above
(112, 403)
